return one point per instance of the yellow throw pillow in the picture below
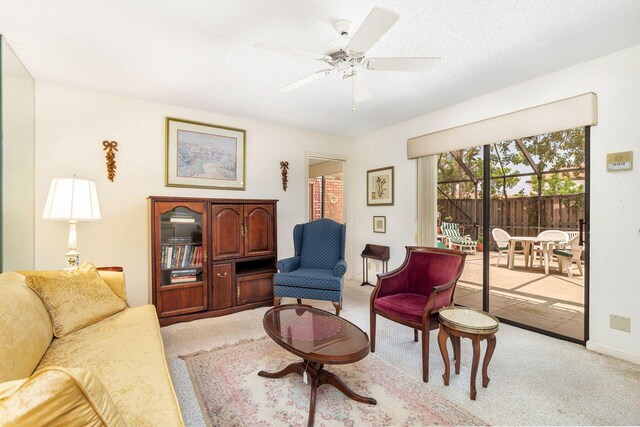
(58, 397)
(74, 299)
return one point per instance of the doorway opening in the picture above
(326, 189)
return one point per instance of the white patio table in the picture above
(527, 242)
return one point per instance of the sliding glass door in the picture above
(529, 267)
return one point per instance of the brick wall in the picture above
(333, 198)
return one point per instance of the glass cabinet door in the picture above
(181, 250)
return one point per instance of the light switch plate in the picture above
(622, 161)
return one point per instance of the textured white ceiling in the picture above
(200, 54)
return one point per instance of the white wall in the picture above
(70, 127)
(18, 140)
(615, 205)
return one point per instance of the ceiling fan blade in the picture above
(374, 26)
(277, 47)
(305, 80)
(359, 87)
(401, 64)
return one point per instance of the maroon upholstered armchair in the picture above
(414, 293)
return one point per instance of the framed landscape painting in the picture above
(204, 155)
(380, 187)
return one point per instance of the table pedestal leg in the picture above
(318, 376)
(442, 343)
(491, 346)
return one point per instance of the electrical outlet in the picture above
(620, 323)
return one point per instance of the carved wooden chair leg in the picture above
(299, 301)
(372, 331)
(415, 335)
(425, 353)
(337, 306)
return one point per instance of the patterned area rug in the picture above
(230, 392)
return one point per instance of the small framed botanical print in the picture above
(380, 187)
(379, 224)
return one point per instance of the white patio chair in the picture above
(548, 239)
(567, 255)
(549, 235)
(501, 238)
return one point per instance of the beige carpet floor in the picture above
(535, 380)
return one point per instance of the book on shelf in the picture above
(183, 279)
(182, 218)
(179, 256)
(179, 240)
(185, 272)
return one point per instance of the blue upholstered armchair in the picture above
(317, 269)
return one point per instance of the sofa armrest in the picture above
(340, 268)
(288, 264)
(58, 396)
(115, 280)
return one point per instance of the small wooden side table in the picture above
(456, 322)
(377, 252)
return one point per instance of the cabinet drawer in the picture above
(221, 281)
(182, 299)
(254, 288)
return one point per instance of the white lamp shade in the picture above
(72, 199)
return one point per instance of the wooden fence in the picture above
(517, 215)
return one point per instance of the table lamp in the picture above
(72, 200)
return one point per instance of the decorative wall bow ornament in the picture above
(110, 147)
(284, 166)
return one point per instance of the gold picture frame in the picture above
(204, 155)
(380, 184)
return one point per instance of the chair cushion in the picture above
(280, 291)
(563, 252)
(407, 306)
(309, 278)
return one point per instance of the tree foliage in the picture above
(554, 151)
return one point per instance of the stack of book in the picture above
(184, 276)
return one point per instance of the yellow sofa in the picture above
(124, 352)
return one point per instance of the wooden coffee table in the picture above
(319, 338)
(456, 322)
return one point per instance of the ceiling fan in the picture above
(346, 54)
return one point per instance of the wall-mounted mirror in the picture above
(17, 151)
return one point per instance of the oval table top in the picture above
(467, 319)
(316, 335)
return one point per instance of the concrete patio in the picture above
(554, 303)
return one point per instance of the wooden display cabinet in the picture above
(211, 257)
